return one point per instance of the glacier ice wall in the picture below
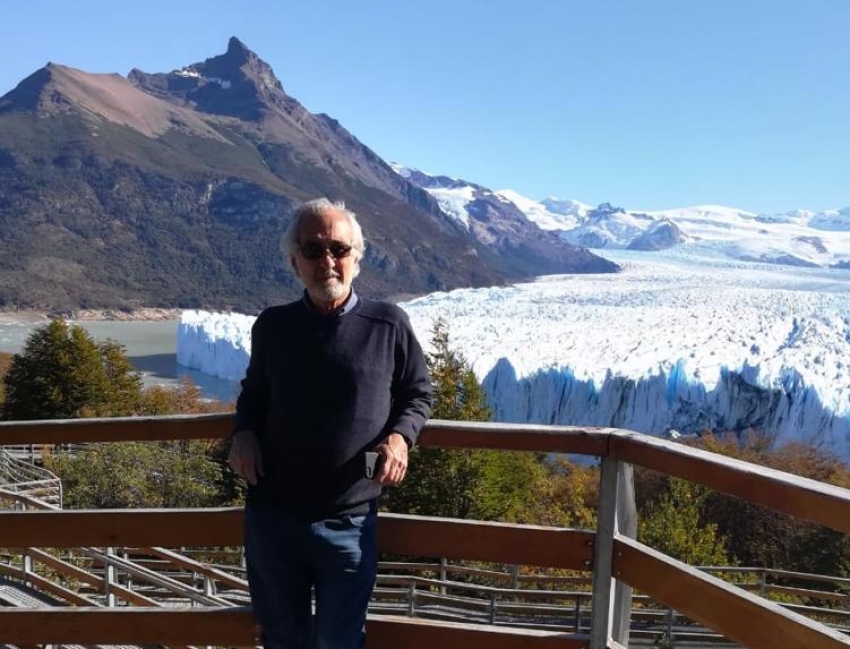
(669, 343)
(215, 343)
(669, 400)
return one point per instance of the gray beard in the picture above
(331, 291)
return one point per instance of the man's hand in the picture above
(394, 452)
(245, 457)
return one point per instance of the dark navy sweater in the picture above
(321, 390)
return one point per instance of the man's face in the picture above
(325, 262)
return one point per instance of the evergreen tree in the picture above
(457, 394)
(63, 373)
(462, 483)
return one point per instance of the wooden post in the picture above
(411, 602)
(209, 585)
(669, 627)
(109, 579)
(577, 626)
(492, 608)
(443, 571)
(626, 525)
(611, 604)
(27, 566)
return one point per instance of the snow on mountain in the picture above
(499, 225)
(674, 341)
(609, 227)
(453, 201)
(456, 196)
(557, 215)
(837, 220)
(452, 195)
(797, 238)
(566, 207)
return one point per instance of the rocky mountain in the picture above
(660, 236)
(172, 189)
(498, 223)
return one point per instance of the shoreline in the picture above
(36, 316)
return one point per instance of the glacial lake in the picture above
(150, 346)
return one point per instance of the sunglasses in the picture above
(316, 250)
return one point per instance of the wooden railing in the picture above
(617, 561)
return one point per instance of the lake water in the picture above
(150, 346)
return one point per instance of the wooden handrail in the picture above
(777, 490)
(494, 542)
(448, 434)
(133, 626)
(235, 627)
(727, 609)
(734, 612)
(116, 429)
(398, 534)
(118, 527)
(195, 566)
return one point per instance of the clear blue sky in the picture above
(646, 104)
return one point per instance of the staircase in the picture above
(23, 478)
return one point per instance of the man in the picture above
(331, 376)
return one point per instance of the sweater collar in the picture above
(349, 305)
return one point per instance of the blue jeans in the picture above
(287, 557)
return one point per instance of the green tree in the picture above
(457, 394)
(568, 496)
(63, 373)
(463, 483)
(139, 474)
(672, 525)
(184, 398)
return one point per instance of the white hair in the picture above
(322, 206)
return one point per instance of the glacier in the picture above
(677, 341)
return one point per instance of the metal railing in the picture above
(28, 479)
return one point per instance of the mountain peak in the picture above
(237, 83)
(235, 46)
(58, 89)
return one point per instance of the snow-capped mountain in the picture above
(499, 224)
(797, 238)
(457, 198)
(549, 214)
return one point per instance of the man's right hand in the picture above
(245, 457)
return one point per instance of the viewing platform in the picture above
(110, 553)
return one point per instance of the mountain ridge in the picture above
(172, 190)
(794, 238)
